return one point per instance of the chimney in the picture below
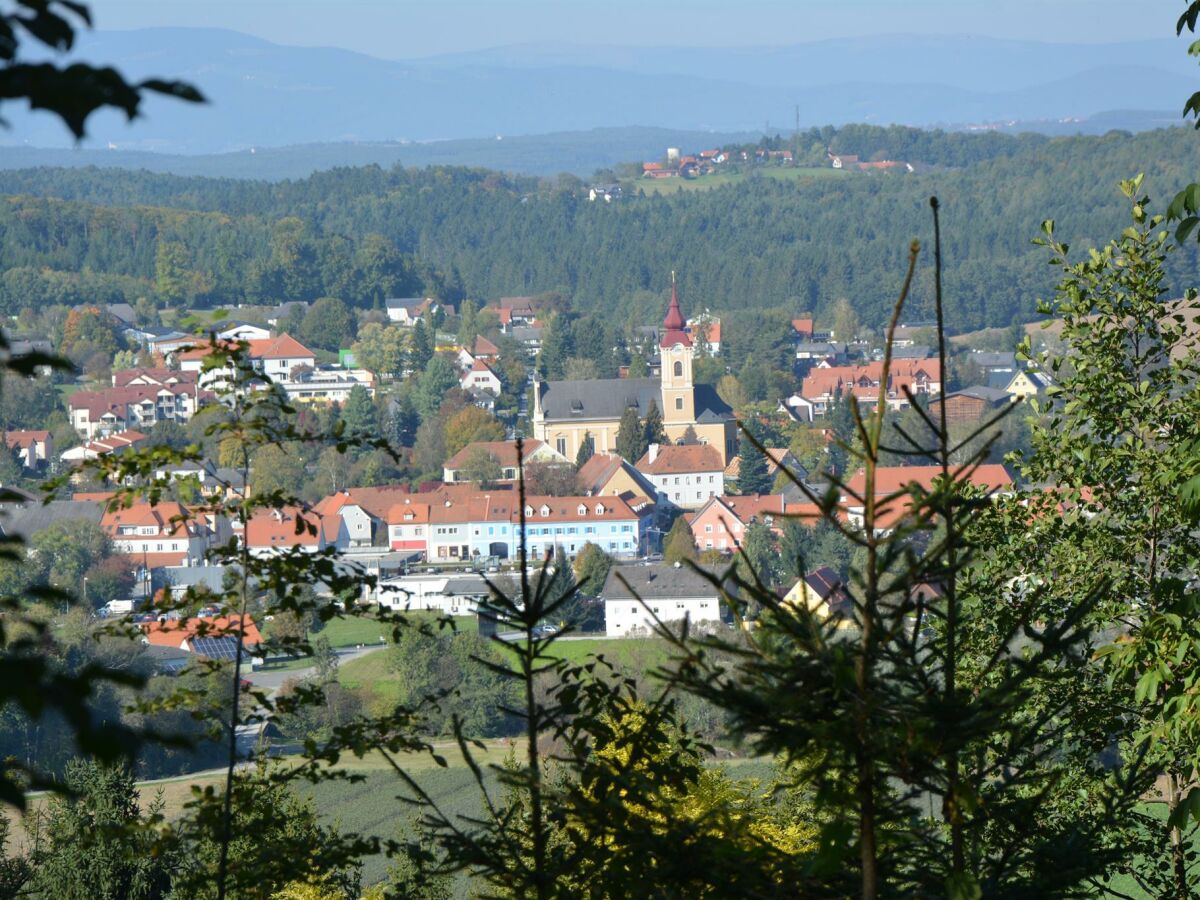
(653, 450)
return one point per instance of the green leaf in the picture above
(963, 886)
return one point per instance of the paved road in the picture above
(272, 680)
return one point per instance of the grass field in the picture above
(720, 179)
(371, 672)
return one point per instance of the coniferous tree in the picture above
(752, 469)
(587, 450)
(360, 414)
(631, 440)
(96, 842)
(421, 349)
(680, 545)
(652, 429)
(558, 346)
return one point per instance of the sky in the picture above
(401, 29)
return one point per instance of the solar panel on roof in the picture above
(215, 647)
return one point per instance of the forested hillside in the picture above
(364, 233)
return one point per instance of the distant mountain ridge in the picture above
(270, 95)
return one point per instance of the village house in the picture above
(721, 523)
(359, 516)
(325, 384)
(459, 594)
(408, 525)
(487, 525)
(113, 443)
(706, 329)
(565, 412)
(823, 385)
(505, 454)
(481, 349)
(140, 398)
(212, 637)
(683, 476)
(894, 483)
(610, 475)
(163, 534)
(270, 532)
(480, 377)
(513, 311)
(1026, 383)
(822, 592)
(277, 358)
(637, 598)
(34, 449)
(406, 310)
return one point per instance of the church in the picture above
(565, 412)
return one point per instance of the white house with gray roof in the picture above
(636, 595)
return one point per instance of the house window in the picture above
(708, 529)
(560, 444)
(678, 401)
(678, 371)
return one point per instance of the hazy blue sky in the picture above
(407, 28)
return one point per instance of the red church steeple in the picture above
(673, 324)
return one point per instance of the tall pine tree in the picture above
(631, 439)
(422, 346)
(653, 427)
(752, 469)
(587, 450)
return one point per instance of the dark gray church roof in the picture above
(26, 521)
(608, 398)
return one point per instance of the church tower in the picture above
(676, 352)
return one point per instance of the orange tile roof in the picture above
(775, 456)
(673, 459)
(375, 500)
(408, 512)
(894, 479)
(168, 516)
(173, 632)
(277, 528)
(25, 439)
(282, 347)
(505, 452)
(484, 347)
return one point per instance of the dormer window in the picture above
(581, 509)
(599, 509)
(545, 510)
(528, 511)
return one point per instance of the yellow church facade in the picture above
(566, 412)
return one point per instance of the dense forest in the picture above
(362, 234)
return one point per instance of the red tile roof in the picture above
(173, 632)
(25, 439)
(408, 512)
(893, 479)
(375, 500)
(277, 528)
(504, 452)
(282, 347)
(117, 400)
(168, 516)
(863, 381)
(484, 347)
(676, 460)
